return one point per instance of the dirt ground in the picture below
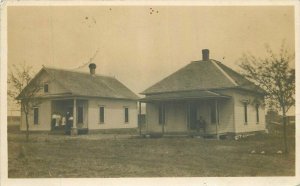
(121, 155)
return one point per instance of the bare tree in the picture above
(276, 77)
(23, 90)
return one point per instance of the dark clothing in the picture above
(201, 125)
(69, 124)
(68, 128)
(53, 123)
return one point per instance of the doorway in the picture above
(192, 116)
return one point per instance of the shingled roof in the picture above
(85, 84)
(202, 75)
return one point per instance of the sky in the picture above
(140, 45)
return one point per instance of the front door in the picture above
(193, 116)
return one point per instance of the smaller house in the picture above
(204, 97)
(94, 102)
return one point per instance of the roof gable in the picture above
(34, 87)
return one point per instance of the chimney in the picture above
(205, 54)
(92, 67)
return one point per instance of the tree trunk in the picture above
(284, 131)
(27, 127)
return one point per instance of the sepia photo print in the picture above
(151, 90)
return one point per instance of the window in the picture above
(101, 114)
(126, 115)
(36, 115)
(161, 114)
(213, 114)
(245, 113)
(80, 115)
(46, 87)
(257, 113)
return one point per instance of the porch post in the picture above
(139, 118)
(74, 131)
(217, 118)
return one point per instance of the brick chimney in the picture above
(205, 54)
(92, 67)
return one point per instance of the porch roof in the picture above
(186, 95)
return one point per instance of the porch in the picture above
(69, 116)
(195, 113)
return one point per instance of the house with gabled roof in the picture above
(93, 101)
(205, 97)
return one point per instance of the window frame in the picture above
(257, 113)
(101, 116)
(36, 117)
(161, 114)
(80, 122)
(46, 85)
(213, 114)
(245, 107)
(126, 115)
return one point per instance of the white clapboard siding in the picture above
(114, 114)
(44, 122)
(251, 125)
(226, 114)
(175, 115)
(152, 118)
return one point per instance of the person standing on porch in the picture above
(63, 121)
(69, 124)
(71, 120)
(57, 120)
(201, 124)
(53, 121)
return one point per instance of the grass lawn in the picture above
(104, 155)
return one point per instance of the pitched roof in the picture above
(241, 81)
(202, 75)
(84, 84)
